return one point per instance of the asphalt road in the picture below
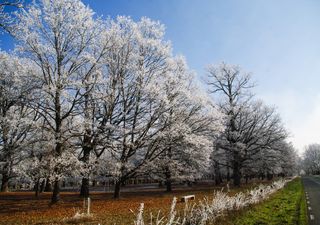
(312, 189)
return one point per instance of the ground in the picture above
(24, 208)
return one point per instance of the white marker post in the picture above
(88, 206)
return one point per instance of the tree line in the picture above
(82, 96)
(310, 163)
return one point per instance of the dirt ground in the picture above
(25, 208)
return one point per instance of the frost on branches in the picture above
(6, 19)
(16, 119)
(60, 37)
(89, 98)
(253, 131)
(311, 159)
(192, 122)
(110, 90)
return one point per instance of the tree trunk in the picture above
(168, 186)
(48, 187)
(247, 179)
(228, 173)
(168, 173)
(87, 147)
(84, 192)
(58, 138)
(269, 176)
(42, 186)
(117, 186)
(236, 177)
(37, 187)
(236, 170)
(56, 192)
(217, 175)
(5, 183)
(168, 180)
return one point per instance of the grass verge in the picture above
(287, 206)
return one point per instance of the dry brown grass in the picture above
(24, 208)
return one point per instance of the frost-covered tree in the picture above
(192, 123)
(261, 130)
(41, 165)
(59, 37)
(280, 158)
(233, 87)
(92, 82)
(311, 159)
(251, 129)
(288, 165)
(17, 120)
(109, 97)
(131, 105)
(136, 70)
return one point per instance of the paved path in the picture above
(312, 189)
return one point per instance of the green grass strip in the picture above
(287, 206)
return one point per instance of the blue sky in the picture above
(278, 41)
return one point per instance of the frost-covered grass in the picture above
(78, 218)
(288, 206)
(211, 208)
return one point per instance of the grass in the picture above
(23, 208)
(287, 206)
(303, 217)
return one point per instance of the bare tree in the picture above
(261, 132)
(251, 129)
(233, 86)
